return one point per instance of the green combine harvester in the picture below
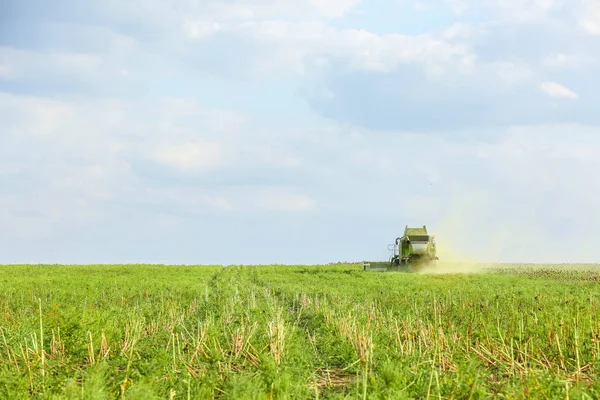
(410, 252)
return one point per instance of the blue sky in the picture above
(298, 131)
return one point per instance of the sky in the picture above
(298, 131)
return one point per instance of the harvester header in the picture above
(413, 249)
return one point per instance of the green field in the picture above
(298, 332)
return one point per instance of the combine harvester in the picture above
(415, 250)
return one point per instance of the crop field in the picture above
(298, 332)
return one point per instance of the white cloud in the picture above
(79, 71)
(164, 13)
(461, 30)
(222, 203)
(526, 10)
(191, 156)
(214, 119)
(527, 164)
(385, 53)
(294, 46)
(557, 90)
(590, 16)
(201, 29)
(27, 63)
(99, 150)
(562, 60)
(110, 178)
(333, 8)
(265, 9)
(459, 7)
(281, 200)
(512, 73)
(77, 158)
(44, 213)
(5, 71)
(34, 116)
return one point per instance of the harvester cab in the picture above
(414, 249)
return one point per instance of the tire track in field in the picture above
(331, 356)
(280, 348)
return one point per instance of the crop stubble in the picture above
(332, 331)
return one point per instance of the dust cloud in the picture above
(475, 236)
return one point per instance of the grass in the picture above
(332, 331)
